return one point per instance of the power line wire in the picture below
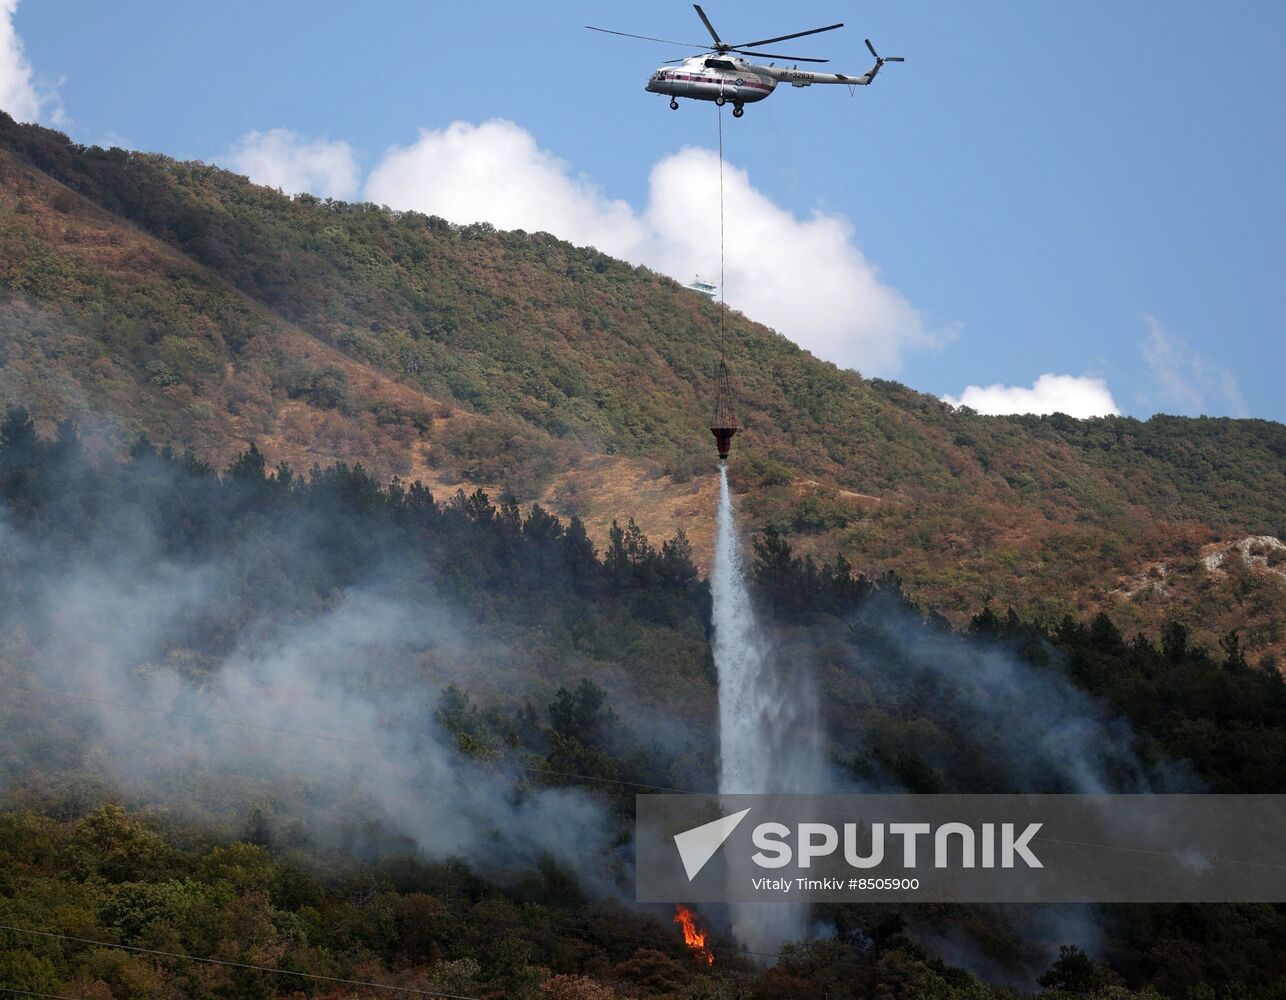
(32, 993)
(239, 965)
(574, 929)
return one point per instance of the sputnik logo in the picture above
(698, 845)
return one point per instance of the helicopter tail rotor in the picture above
(879, 61)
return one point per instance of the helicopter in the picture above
(721, 74)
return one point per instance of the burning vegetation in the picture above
(693, 938)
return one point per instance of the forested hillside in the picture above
(264, 723)
(145, 295)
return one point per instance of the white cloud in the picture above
(280, 158)
(18, 94)
(1184, 381)
(804, 277)
(496, 173)
(1075, 395)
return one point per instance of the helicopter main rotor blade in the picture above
(782, 38)
(648, 38)
(775, 55)
(718, 42)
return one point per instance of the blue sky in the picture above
(1091, 190)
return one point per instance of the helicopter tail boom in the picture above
(806, 78)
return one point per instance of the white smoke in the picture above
(1033, 730)
(326, 716)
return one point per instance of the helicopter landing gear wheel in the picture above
(674, 105)
(738, 111)
(720, 101)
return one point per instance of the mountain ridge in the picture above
(142, 294)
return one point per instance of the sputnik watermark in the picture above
(820, 840)
(992, 848)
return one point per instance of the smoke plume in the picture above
(320, 719)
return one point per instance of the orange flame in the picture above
(693, 938)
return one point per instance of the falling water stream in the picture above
(769, 728)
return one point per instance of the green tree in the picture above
(1072, 972)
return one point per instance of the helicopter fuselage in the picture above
(732, 80)
(713, 78)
